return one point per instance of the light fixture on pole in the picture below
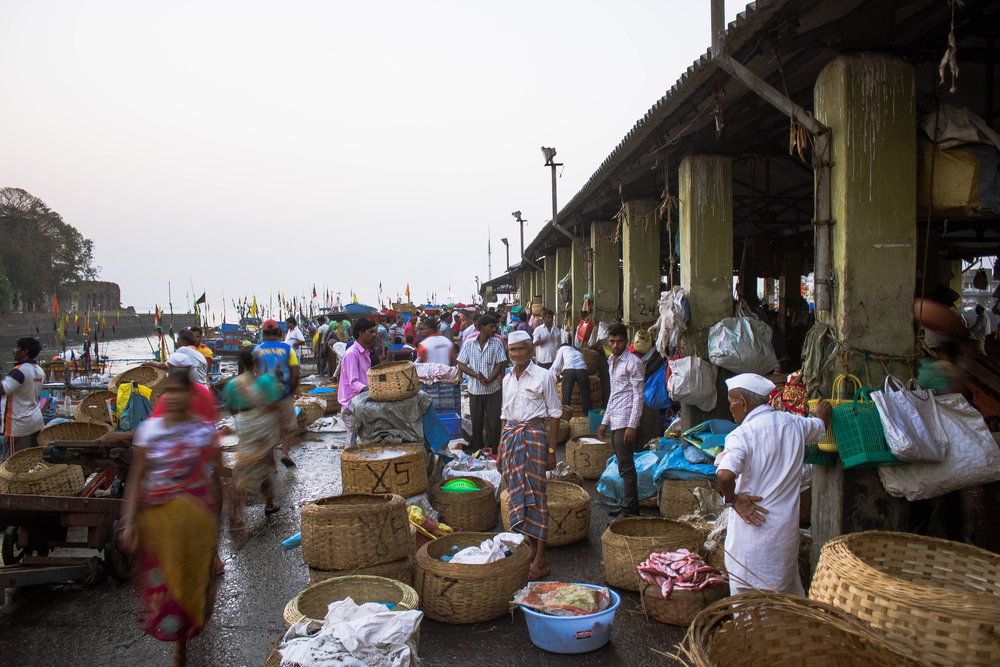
(550, 154)
(520, 221)
(507, 246)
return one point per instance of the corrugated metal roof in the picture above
(738, 34)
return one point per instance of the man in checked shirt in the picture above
(623, 412)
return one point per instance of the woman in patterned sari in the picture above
(172, 503)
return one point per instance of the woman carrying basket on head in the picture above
(172, 502)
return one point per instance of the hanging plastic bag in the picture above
(655, 392)
(671, 327)
(972, 458)
(692, 382)
(133, 405)
(742, 345)
(911, 422)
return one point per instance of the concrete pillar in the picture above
(551, 268)
(607, 270)
(706, 241)
(564, 260)
(641, 259)
(578, 267)
(867, 101)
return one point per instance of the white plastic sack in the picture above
(670, 327)
(692, 382)
(911, 422)
(489, 551)
(972, 458)
(742, 345)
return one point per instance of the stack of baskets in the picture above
(536, 306)
(393, 381)
(311, 604)
(587, 455)
(938, 600)
(463, 593)
(26, 473)
(575, 400)
(357, 534)
(94, 407)
(384, 468)
(775, 629)
(569, 512)
(147, 376)
(469, 510)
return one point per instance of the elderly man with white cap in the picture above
(760, 473)
(530, 413)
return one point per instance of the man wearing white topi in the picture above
(760, 472)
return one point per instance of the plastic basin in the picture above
(572, 634)
(594, 419)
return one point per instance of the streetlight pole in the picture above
(520, 221)
(507, 246)
(550, 154)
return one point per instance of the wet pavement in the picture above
(73, 625)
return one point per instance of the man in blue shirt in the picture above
(277, 357)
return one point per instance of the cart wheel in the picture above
(9, 551)
(120, 565)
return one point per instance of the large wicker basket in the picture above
(563, 435)
(25, 472)
(589, 459)
(94, 407)
(393, 381)
(310, 410)
(404, 473)
(460, 593)
(683, 604)
(569, 512)
(629, 541)
(470, 510)
(593, 360)
(578, 426)
(147, 376)
(72, 430)
(676, 497)
(400, 570)
(783, 631)
(356, 530)
(576, 401)
(311, 604)
(940, 600)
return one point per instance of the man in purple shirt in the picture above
(354, 371)
(524, 325)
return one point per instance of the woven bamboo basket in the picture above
(569, 512)
(567, 412)
(311, 604)
(593, 360)
(405, 474)
(147, 376)
(310, 410)
(682, 605)
(355, 530)
(460, 593)
(473, 510)
(273, 657)
(563, 435)
(783, 631)
(940, 600)
(72, 430)
(578, 426)
(588, 459)
(25, 472)
(676, 497)
(400, 570)
(393, 381)
(94, 407)
(575, 400)
(305, 387)
(629, 541)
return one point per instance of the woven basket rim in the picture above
(614, 530)
(468, 571)
(842, 558)
(346, 500)
(375, 446)
(45, 436)
(606, 440)
(118, 379)
(30, 456)
(409, 598)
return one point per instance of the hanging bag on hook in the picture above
(911, 422)
(742, 344)
(829, 441)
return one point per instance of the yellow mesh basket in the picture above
(829, 441)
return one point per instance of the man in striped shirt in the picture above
(623, 412)
(483, 359)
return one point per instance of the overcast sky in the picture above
(250, 147)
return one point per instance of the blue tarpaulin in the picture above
(434, 431)
(610, 483)
(673, 465)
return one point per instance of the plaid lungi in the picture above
(523, 455)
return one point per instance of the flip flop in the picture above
(273, 510)
(287, 460)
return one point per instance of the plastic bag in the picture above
(692, 381)
(672, 324)
(742, 345)
(646, 464)
(560, 599)
(972, 458)
(133, 405)
(911, 422)
(673, 465)
(655, 391)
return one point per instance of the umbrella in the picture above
(360, 310)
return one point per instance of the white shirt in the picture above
(435, 350)
(22, 389)
(188, 357)
(568, 359)
(294, 335)
(321, 334)
(546, 342)
(765, 452)
(529, 396)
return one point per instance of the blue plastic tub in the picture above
(594, 419)
(572, 634)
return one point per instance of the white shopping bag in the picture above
(911, 422)
(692, 382)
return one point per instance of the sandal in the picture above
(287, 460)
(268, 511)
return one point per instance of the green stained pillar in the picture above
(607, 270)
(564, 259)
(551, 268)
(641, 258)
(706, 242)
(578, 267)
(867, 101)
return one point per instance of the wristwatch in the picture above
(551, 451)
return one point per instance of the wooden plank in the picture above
(21, 502)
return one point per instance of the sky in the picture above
(246, 148)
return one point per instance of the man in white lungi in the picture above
(760, 471)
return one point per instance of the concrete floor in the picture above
(73, 625)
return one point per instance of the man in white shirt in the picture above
(186, 356)
(546, 339)
(434, 348)
(530, 415)
(762, 463)
(294, 336)
(570, 365)
(21, 390)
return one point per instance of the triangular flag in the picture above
(201, 300)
